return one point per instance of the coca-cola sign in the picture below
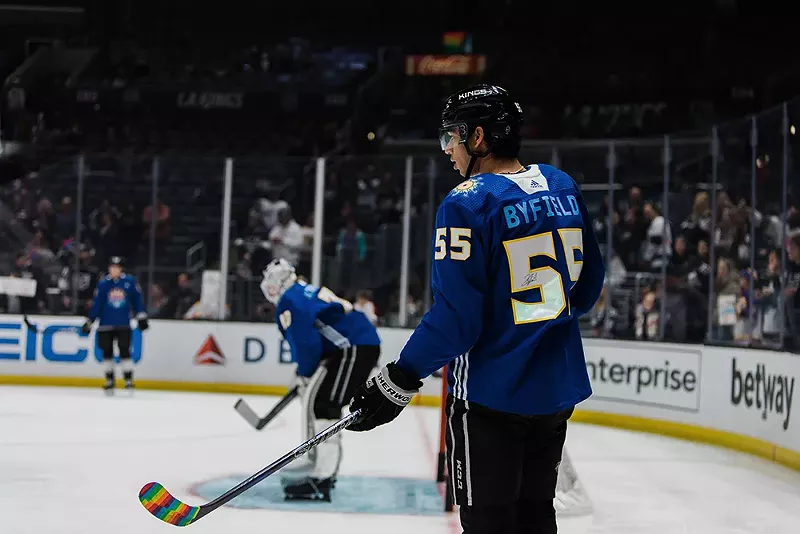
(448, 65)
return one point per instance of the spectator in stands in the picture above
(678, 293)
(792, 295)
(727, 290)
(647, 325)
(658, 246)
(698, 277)
(184, 297)
(346, 213)
(96, 217)
(307, 231)
(252, 247)
(604, 311)
(351, 251)
(389, 206)
(307, 234)
(286, 237)
(13, 304)
(255, 229)
(45, 219)
(84, 281)
(747, 316)
(39, 250)
(729, 238)
(130, 234)
(270, 206)
(617, 270)
(366, 198)
(107, 236)
(159, 307)
(163, 220)
(697, 227)
(767, 288)
(65, 218)
(365, 305)
(634, 201)
(628, 238)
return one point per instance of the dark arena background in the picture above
(199, 141)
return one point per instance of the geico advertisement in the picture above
(57, 340)
(666, 378)
(762, 387)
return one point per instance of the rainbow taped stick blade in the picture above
(164, 506)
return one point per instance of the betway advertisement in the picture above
(759, 389)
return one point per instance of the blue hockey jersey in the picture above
(115, 300)
(304, 303)
(515, 264)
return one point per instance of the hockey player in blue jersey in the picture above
(515, 265)
(335, 348)
(116, 299)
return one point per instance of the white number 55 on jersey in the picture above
(553, 300)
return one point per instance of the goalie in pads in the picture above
(326, 375)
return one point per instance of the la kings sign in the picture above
(210, 100)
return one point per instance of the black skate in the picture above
(309, 489)
(129, 386)
(108, 387)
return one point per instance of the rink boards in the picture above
(738, 398)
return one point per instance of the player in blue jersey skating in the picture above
(515, 264)
(328, 369)
(116, 298)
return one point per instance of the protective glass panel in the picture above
(362, 235)
(271, 216)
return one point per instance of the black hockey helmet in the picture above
(488, 106)
(116, 260)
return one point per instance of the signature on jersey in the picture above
(530, 279)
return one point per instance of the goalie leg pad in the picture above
(305, 465)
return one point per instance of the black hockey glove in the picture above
(87, 327)
(383, 397)
(143, 324)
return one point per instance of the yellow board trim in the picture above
(720, 438)
(161, 385)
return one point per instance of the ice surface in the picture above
(73, 461)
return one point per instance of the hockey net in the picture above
(571, 498)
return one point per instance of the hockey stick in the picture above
(32, 327)
(160, 503)
(332, 335)
(257, 422)
(244, 409)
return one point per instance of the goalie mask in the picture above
(278, 277)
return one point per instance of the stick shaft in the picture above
(332, 335)
(280, 463)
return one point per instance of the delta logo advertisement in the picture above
(209, 353)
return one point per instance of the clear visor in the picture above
(451, 135)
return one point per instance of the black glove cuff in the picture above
(393, 391)
(402, 378)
